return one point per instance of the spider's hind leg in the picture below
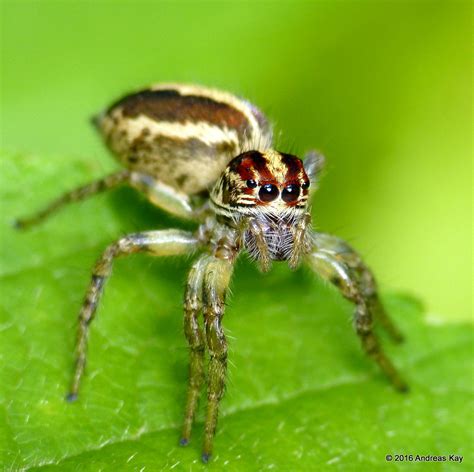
(158, 193)
(76, 195)
(337, 262)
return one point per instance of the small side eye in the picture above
(305, 185)
(251, 183)
(290, 193)
(268, 193)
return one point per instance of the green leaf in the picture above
(301, 395)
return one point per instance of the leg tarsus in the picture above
(381, 317)
(71, 397)
(196, 379)
(372, 348)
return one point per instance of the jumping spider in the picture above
(205, 155)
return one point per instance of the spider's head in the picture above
(268, 193)
(262, 183)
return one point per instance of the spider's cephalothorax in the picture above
(206, 155)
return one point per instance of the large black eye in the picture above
(268, 193)
(290, 193)
(251, 183)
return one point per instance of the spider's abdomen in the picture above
(182, 135)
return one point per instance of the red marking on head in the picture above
(252, 165)
(245, 169)
(295, 170)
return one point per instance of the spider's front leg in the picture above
(206, 290)
(215, 283)
(337, 262)
(196, 342)
(156, 243)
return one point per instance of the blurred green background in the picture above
(382, 88)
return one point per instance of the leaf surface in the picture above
(300, 395)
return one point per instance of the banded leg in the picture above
(76, 195)
(156, 192)
(216, 281)
(361, 275)
(156, 243)
(369, 288)
(195, 337)
(335, 261)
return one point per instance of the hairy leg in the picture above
(156, 243)
(216, 281)
(156, 192)
(361, 275)
(195, 337)
(75, 195)
(335, 261)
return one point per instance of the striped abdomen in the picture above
(182, 135)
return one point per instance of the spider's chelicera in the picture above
(206, 155)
